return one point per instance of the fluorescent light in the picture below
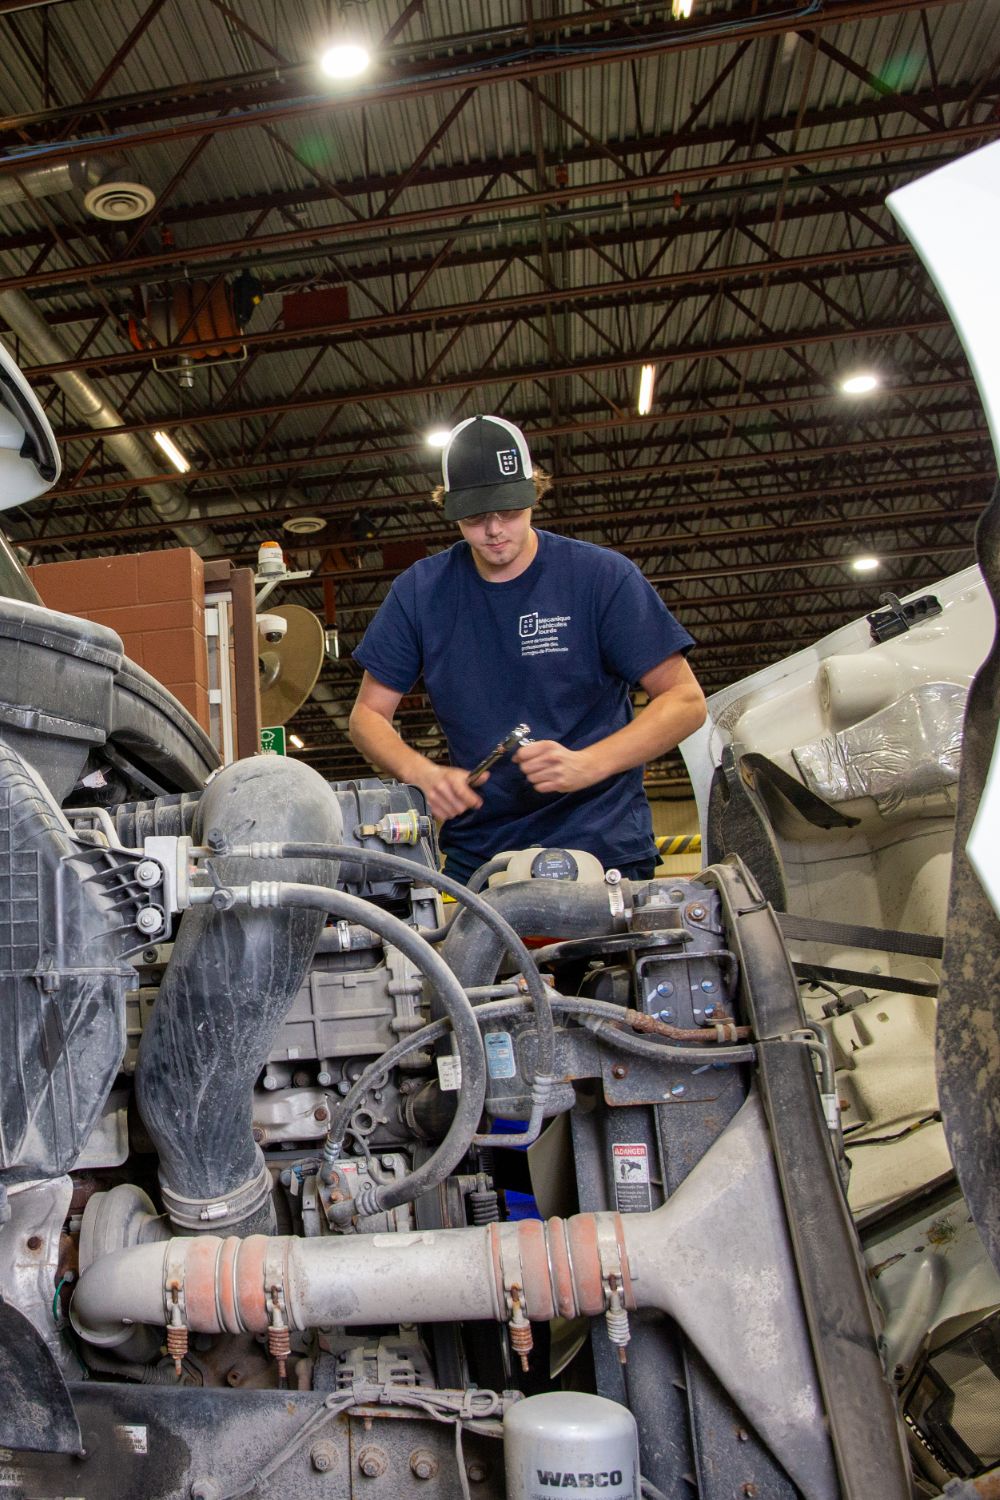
(345, 60)
(865, 564)
(681, 9)
(861, 384)
(647, 379)
(438, 437)
(170, 448)
(293, 739)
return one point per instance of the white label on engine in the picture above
(631, 1163)
(135, 1437)
(449, 1073)
(500, 1054)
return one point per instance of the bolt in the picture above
(324, 1079)
(235, 1377)
(148, 872)
(150, 955)
(677, 1090)
(676, 894)
(423, 1464)
(697, 913)
(613, 877)
(270, 1082)
(323, 1456)
(742, 1435)
(149, 920)
(321, 1113)
(664, 987)
(476, 1472)
(259, 1134)
(215, 838)
(285, 1177)
(619, 1071)
(34, 1242)
(708, 985)
(710, 1010)
(373, 1461)
(664, 1015)
(750, 1490)
(205, 1489)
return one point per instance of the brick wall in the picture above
(155, 602)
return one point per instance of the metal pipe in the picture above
(679, 1260)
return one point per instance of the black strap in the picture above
(847, 935)
(814, 972)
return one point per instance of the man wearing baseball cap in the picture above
(512, 625)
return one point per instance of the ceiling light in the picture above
(345, 60)
(170, 448)
(861, 384)
(647, 379)
(438, 437)
(865, 564)
(681, 9)
(293, 739)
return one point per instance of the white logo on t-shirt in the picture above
(540, 634)
(507, 459)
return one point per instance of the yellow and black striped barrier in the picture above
(679, 843)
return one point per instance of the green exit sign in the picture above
(272, 740)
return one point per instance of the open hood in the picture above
(29, 454)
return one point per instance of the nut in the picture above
(476, 1471)
(619, 1071)
(321, 1114)
(34, 1242)
(423, 1464)
(696, 913)
(372, 1461)
(322, 1456)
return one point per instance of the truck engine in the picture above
(262, 1113)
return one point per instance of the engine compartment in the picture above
(269, 1227)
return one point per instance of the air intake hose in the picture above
(543, 908)
(229, 983)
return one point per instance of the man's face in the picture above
(498, 538)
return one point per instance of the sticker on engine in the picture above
(449, 1073)
(136, 1439)
(631, 1164)
(500, 1054)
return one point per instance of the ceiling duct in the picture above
(107, 192)
(100, 179)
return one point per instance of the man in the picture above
(515, 625)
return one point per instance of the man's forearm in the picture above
(657, 728)
(378, 741)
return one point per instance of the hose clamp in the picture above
(208, 1215)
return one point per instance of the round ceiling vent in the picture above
(304, 525)
(119, 201)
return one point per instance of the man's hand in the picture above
(447, 789)
(550, 767)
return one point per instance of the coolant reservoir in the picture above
(569, 1440)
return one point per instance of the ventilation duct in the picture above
(107, 192)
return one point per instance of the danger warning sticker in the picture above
(631, 1170)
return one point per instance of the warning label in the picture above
(631, 1164)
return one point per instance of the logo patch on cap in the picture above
(507, 459)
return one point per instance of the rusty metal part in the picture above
(424, 1464)
(373, 1461)
(722, 1029)
(322, 1456)
(522, 1339)
(177, 1346)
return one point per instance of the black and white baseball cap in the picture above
(486, 466)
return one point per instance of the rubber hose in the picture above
(478, 879)
(227, 988)
(559, 907)
(472, 1094)
(483, 907)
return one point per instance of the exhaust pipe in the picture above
(716, 1258)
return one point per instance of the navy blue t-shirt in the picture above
(557, 648)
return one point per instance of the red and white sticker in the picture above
(631, 1170)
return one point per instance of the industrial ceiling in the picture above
(518, 205)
